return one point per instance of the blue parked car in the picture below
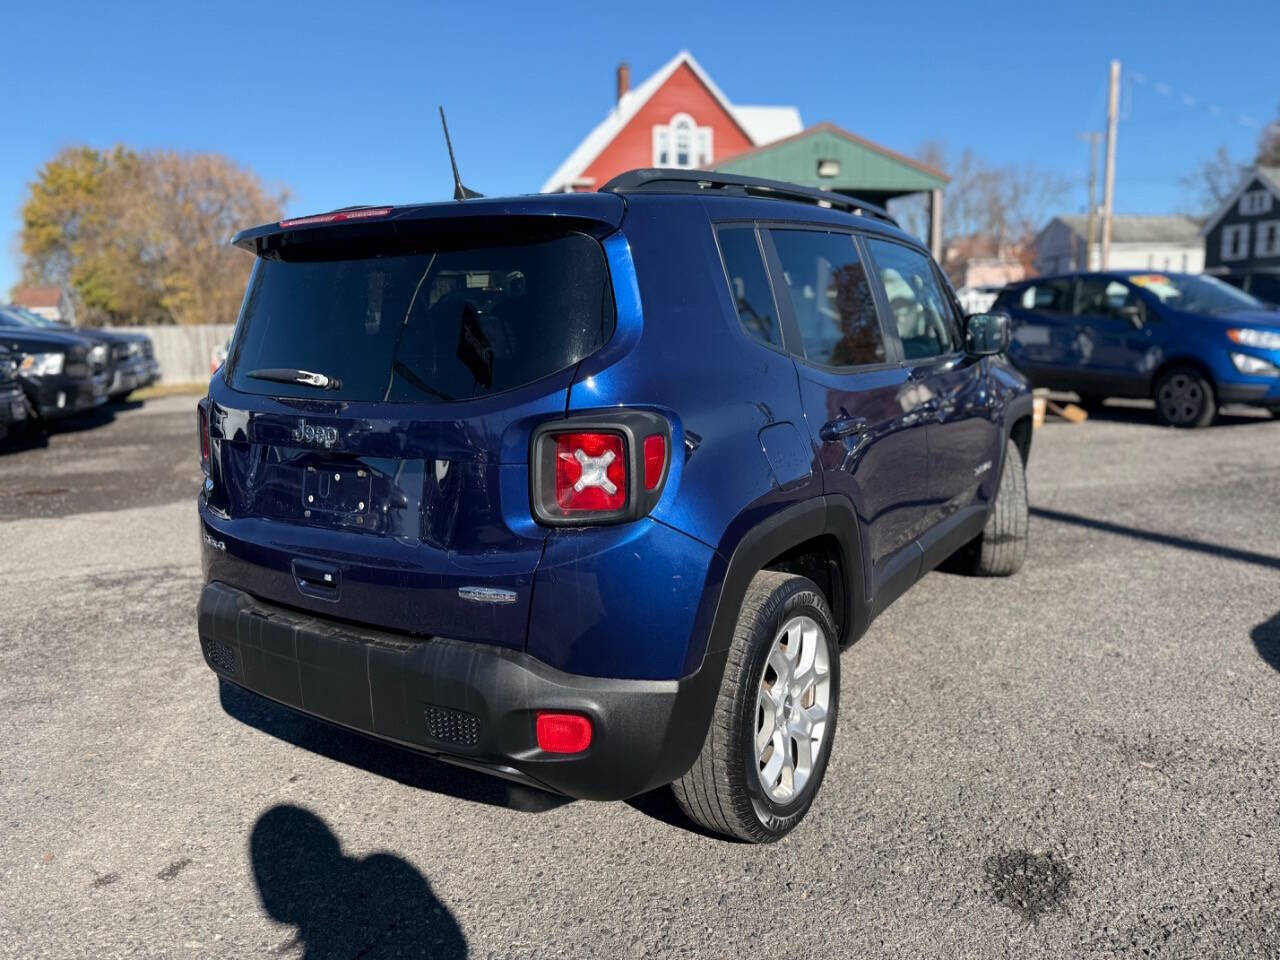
(1189, 342)
(590, 490)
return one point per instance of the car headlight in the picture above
(1254, 366)
(1249, 337)
(41, 364)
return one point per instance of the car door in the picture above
(1115, 337)
(961, 433)
(1043, 344)
(864, 413)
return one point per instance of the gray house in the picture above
(1137, 243)
(1242, 240)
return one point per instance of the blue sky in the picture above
(337, 100)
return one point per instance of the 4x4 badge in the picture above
(309, 433)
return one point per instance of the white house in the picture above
(1170, 243)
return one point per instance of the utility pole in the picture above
(1092, 139)
(1109, 180)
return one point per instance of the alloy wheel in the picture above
(792, 706)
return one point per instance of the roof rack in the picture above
(663, 180)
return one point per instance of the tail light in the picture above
(202, 416)
(607, 470)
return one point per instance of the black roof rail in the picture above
(664, 180)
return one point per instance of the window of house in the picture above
(834, 305)
(749, 283)
(681, 143)
(1254, 202)
(1235, 242)
(921, 310)
(1268, 242)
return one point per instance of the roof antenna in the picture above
(459, 191)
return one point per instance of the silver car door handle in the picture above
(844, 427)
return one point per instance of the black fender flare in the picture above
(791, 526)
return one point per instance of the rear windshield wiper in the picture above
(303, 377)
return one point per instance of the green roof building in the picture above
(831, 158)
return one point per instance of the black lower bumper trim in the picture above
(469, 703)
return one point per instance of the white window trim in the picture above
(1228, 234)
(1254, 202)
(1260, 249)
(699, 138)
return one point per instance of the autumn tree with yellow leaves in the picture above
(142, 236)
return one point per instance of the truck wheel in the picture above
(775, 717)
(1002, 546)
(1184, 398)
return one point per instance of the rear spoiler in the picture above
(598, 214)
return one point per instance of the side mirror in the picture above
(1132, 313)
(986, 334)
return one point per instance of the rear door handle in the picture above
(844, 427)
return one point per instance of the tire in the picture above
(725, 790)
(1184, 398)
(1000, 549)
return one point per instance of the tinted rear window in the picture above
(425, 326)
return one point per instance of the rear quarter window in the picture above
(429, 325)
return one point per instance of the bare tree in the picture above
(988, 209)
(1211, 182)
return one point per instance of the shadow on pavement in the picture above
(1266, 640)
(1169, 540)
(381, 759)
(345, 906)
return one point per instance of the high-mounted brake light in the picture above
(593, 469)
(337, 217)
(563, 732)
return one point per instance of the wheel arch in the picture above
(818, 536)
(1182, 360)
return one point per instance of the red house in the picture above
(676, 118)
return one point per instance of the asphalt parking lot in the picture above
(1080, 761)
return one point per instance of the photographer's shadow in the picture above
(378, 906)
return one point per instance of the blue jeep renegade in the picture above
(590, 490)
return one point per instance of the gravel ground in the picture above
(1080, 761)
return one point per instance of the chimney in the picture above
(624, 80)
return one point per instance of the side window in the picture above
(1100, 296)
(920, 309)
(749, 283)
(1046, 296)
(834, 306)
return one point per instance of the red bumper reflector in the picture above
(563, 732)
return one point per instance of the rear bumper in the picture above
(466, 703)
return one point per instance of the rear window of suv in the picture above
(424, 326)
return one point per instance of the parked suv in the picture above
(1189, 342)
(590, 490)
